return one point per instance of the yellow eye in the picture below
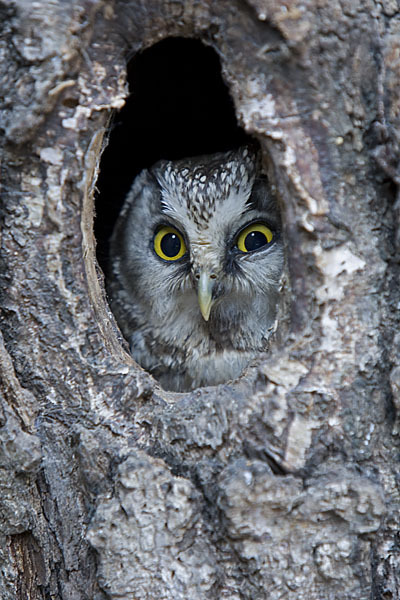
(169, 243)
(254, 237)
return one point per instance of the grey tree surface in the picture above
(285, 483)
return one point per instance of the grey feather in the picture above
(209, 200)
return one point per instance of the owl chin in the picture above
(189, 352)
(217, 368)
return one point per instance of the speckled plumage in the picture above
(209, 199)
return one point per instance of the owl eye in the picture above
(169, 244)
(254, 237)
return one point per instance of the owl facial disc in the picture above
(195, 263)
(204, 293)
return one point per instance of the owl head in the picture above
(197, 256)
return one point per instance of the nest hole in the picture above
(178, 107)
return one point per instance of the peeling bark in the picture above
(283, 484)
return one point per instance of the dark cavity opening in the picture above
(178, 106)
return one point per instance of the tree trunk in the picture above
(283, 484)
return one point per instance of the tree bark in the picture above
(283, 484)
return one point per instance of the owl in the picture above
(195, 262)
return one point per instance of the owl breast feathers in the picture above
(195, 262)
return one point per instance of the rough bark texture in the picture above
(285, 483)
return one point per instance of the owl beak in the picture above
(204, 293)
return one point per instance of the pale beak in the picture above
(204, 293)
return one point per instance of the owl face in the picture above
(198, 252)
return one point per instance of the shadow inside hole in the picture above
(178, 106)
